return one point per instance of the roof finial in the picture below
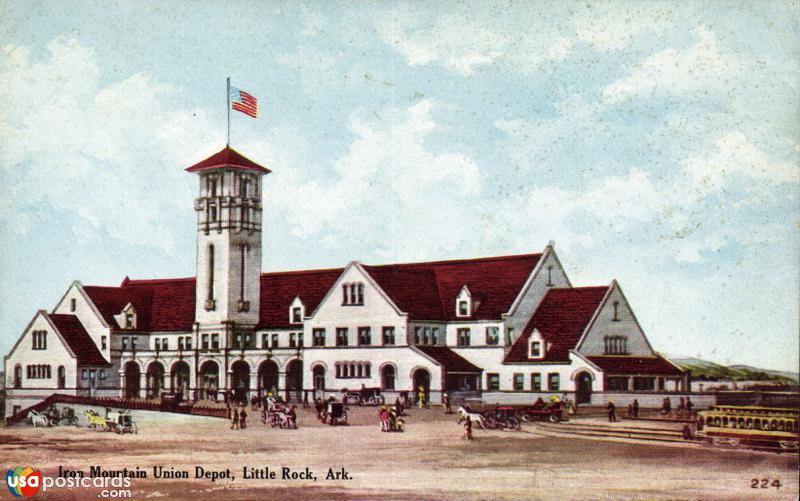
(551, 243)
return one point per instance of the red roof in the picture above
(78, 340)
(169, 305)
(622, 364)
(451, 361)
(161, 305)
(278, 290)
(428, 291)
(561, 318)
(228, 158)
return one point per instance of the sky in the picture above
(655, 143)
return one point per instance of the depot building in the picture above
(503, 329)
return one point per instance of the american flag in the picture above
(244, 102)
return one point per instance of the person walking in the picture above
(446, 403)
(383, 415)
(468, 429)
(612, 412)
(689, 407)
(234, 414)
(421, 394)
(242, 418)
(635, 408)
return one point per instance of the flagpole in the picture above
(228, 142)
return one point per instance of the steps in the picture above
(609, 430)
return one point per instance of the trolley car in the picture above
(749, 425)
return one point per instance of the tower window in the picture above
(212, 186)
(210, 298)
(212, 213)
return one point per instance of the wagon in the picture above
(121, 422)
(336, 414)
(504, 417)
(552, 411)
(364, 396)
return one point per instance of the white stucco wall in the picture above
(376, 312)
(605, 325)
(56, 354)
(536, 289)
(89, 317)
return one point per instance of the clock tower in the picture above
(228, 209)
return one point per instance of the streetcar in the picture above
(751, 425)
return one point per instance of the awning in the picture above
(452, 362)
(641, 366)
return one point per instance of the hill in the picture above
(703, 369)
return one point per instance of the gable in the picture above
(376, 305)
(548, 274)
(23, 348)
(561, 319)
(626, 327)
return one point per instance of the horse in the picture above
(475, 417)
(38, 419)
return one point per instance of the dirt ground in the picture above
(430, 460)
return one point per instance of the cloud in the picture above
(67, 134)
(703, 65)
(733, 155)
(388, 188)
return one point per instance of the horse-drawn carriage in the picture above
(277, 414)
(335, 413)
(504, 417)
(552, 411)
(116, 421)
(364, 396)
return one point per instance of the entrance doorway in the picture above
(583, 388)
(132, 378)
(155, 379)
(241, 381)
(294, 380)
(319, 378)
(422, 378)
(180, 379)
(209, 380)
(268, 378)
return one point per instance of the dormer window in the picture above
(464, 303)
(296, 311)
(536, 345)
(127, 317)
